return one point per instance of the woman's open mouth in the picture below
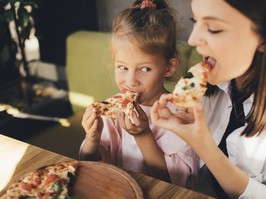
(211, 61)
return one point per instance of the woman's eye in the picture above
(145, 69)
(214, 31)
(122, 67)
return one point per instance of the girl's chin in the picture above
(145, 102)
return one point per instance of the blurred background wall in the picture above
(56, 19)
(107, 10)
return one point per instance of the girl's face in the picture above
(141, 73)
(224, 37)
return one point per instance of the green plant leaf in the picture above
(23, 17)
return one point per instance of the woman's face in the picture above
(224, 37)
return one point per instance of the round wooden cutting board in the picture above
(101, 180)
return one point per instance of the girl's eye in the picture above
(145, 69)
(122, 67)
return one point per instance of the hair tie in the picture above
(147, 4)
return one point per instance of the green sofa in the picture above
(89, 67)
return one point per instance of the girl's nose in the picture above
(132, 79)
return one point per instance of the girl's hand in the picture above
(139, 123)
(194, 130)
(92, 124)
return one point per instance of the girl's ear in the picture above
(172, 66)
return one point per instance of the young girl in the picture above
(231, 36)
(144, 54)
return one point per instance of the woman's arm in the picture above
(198, 136)
(233, 180)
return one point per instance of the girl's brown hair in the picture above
(151, 30)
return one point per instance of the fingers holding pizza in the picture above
(188, 91)
(137, 124)
(124, 106)
(92, 124)
(111, 108)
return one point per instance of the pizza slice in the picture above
(54, 181)
(123, 102)
(191, 87)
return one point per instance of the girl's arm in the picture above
(89, 150)
(198, 136)
(153, 155)
(138, 126)
(93, 127)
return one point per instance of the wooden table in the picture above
(18, 158)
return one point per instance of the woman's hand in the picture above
(92, 124)
(138, 124)
(192, 129)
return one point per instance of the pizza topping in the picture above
(188, 75)
(125, 103)
(57, 187)
(105, 102)
(188, 87)
(26, 186)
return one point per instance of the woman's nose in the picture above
(195, 38)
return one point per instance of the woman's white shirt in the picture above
(249, 154)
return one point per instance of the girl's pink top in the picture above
(120, 148)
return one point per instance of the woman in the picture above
(230, 35)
